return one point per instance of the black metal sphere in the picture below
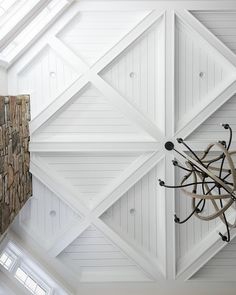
(169, 146)
(226, 126)
(180, 140)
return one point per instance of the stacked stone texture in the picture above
(15, 178)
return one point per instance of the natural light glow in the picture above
(7, 4)
(6, 260)
(8, 8)
(37, 24)
(30, 283)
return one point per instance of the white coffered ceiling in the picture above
(108, 88)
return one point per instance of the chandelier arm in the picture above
(214, 177)
(224, 237)
(223, 158)
(186, 185)
(231, 164)
(193, 153)
(223, 219)
(192, 213)
(197, 214)
(218, 212)
(195, 208)
(230, 137)
(207, 197)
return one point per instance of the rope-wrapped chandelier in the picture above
(210, 180)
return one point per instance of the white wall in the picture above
(3, 81)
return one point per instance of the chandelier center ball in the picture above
(169, 146)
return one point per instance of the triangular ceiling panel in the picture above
(138, 73)
(93, 257)
(45, 216)
(222, 267)
(44, 78)
(90, 117)
(221, 23)
(201, 73)
(137, 215)
(211, 130)
(90, 39)
(88, 175)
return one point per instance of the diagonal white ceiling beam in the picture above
(126, 107)
(203, 252)
(53, 181)
(131, 176)
(145, 165)
(91, 74)
(71, 58)
(144, 263)
(203, 113)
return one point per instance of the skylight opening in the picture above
(8, 8)
(6, 5)
(29, 282)
(36, 25)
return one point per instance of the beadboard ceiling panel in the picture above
(94, 254)
(211, 129)
(137, 215)
(200, 72)
(88, 175)
(91, 34)
(222, 267)
(45, 77)
(221, 23)
(137, 73)
(45, 216)
(90, 117)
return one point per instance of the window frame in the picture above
(12, 250)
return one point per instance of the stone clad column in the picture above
(15, 178)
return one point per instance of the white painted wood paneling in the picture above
(44, 78)
(91, 33)
(88, 174)
(45, 216)
(90, 117)
(189, 234)
(200, 72)
(138, 73)
(221, 23)
(221, 267)
(93, 253)
(138, 215)
(211, 129)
